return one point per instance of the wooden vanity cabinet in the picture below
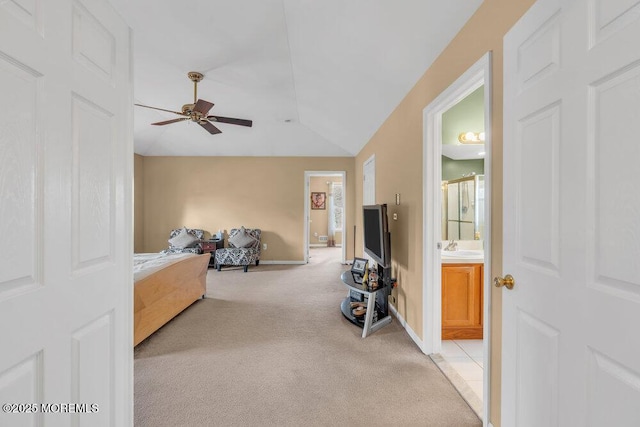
(462, 301)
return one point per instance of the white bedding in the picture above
(146, 264)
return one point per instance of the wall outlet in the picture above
(264, 246)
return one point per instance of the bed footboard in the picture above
(159, 297)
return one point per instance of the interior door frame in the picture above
(477, 75)
(307, 209)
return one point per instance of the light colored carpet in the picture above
(271, 348)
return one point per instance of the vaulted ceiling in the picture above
(317, 78)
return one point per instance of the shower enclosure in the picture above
(463, 208)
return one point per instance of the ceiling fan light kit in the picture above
(197, 112)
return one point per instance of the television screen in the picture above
(376, 233)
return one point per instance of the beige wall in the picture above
(138, 205)
(320, 217)
(397, 146)
(215, 193)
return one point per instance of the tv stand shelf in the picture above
(377, 314)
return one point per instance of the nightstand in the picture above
(210, 246)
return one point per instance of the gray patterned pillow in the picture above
(184, 240)
(241, 239)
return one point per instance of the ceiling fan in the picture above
(197, 112)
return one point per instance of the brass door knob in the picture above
(507, 282)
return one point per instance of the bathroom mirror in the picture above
(463, 208)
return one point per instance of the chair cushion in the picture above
(241, 239)
(236, 256)
(184, 239)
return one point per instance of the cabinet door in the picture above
(462, 301)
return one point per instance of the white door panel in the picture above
(368, 191)
(572, 215)
(369, 181)
(65, 216)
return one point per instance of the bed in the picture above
(164, 285)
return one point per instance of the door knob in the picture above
(507, 282)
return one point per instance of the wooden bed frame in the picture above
(160, 296)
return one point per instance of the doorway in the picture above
(441, 225)
(325, 203)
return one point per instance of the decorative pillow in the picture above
(241, 239)
(184, 240)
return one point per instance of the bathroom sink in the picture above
(464, 253)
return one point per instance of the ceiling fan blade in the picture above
(168, 122)
(209, 127)
(203, 106)
(161, 109)
(231, 120)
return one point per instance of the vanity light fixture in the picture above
(471, 137)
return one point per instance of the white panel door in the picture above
(368, 191)
(571, 350)
(65, 214)
(369, 181)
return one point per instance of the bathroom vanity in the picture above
(462, 294)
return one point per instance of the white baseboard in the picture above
(406, 326)
(281, 262)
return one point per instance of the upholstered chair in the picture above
(243, 248)
(185, 240)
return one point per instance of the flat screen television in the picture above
(377, 240)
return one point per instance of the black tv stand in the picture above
(377, 314)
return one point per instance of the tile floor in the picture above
(465, 357)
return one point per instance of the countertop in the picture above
(467, 252)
